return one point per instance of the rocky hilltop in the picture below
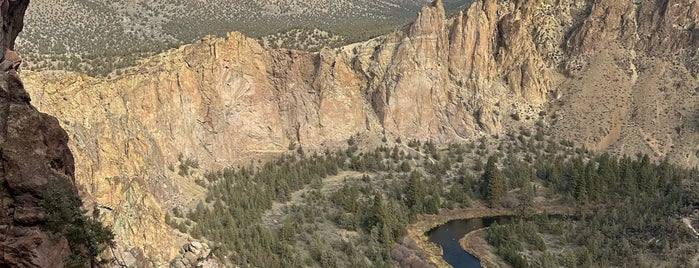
(610, 75)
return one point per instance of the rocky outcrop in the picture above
(634, 68)
(34, 154)
(658, 28)
(12, 13)
(12, 16)
(196, 254)
(583, 68)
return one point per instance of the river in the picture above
(448, 235)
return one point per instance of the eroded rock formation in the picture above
(12, 13)
(34, 154)
(633, 83)
(594, 71)
(35, 164)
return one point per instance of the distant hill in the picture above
(91, 26)
(98, 37)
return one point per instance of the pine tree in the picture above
(288, 231)
(378, 219)
(526, 200)
(493, 183)
(415, 193)
(432, 205)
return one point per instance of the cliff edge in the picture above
(41, 221)
(34, 155)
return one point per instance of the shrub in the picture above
(63, 217)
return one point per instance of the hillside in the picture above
(615, 76)
(98, 36)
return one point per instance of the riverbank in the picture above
(434, 253)
(475, 243)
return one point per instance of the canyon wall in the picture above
(610, 75)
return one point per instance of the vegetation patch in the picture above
(356, 222)
(63, 216)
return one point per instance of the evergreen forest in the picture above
(351, 207)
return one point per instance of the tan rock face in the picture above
(668, 26)
(222, 100)
(125, 132)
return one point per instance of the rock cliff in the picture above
(34, 156)
(633, 79)
(616, 75)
